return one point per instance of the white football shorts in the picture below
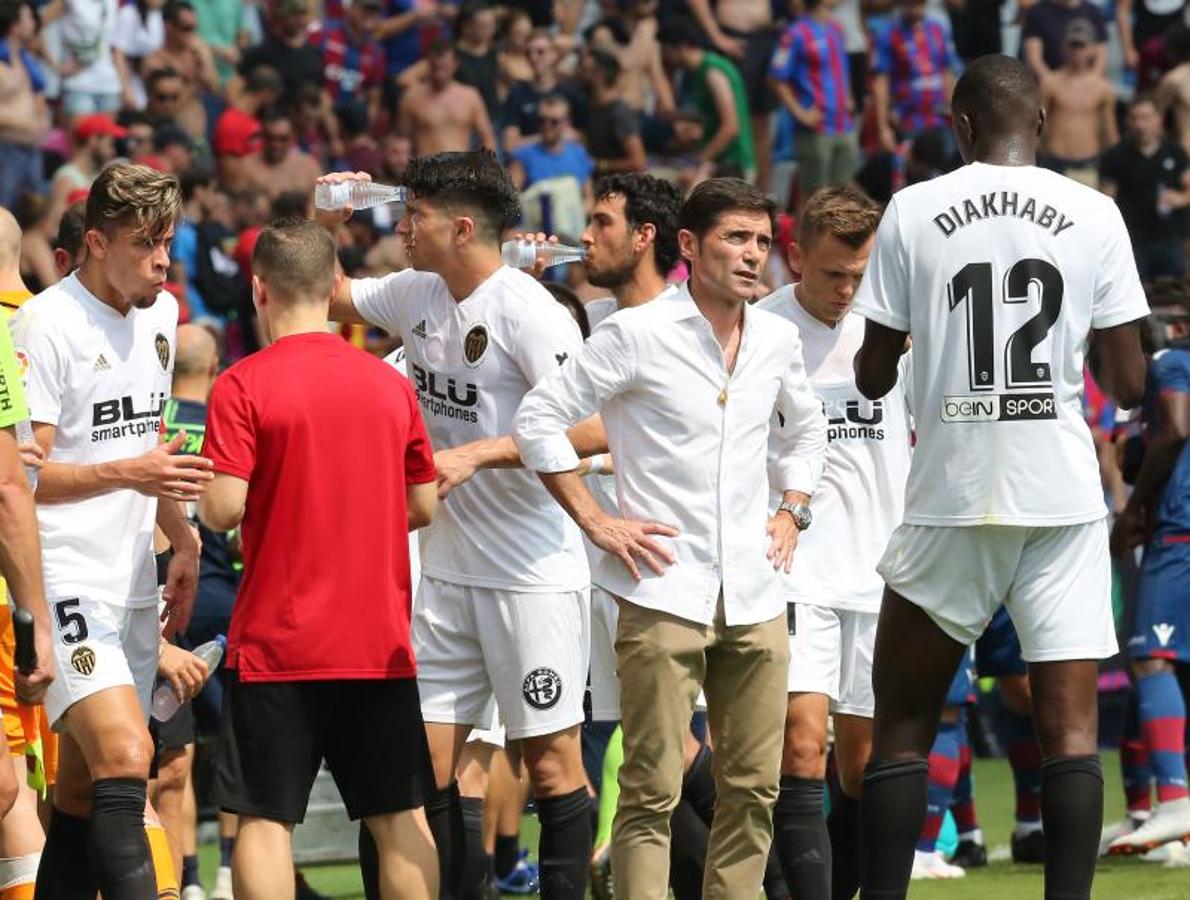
(830, 652)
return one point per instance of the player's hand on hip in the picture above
(1129, 531)
(330, 219)
(181, 584)
(629, 540)
(184, 671)
(166, 473)
(455, 466)
(783, 534)
(31, 688)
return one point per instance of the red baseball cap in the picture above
(237, 134)
(78, 195)
(97, 123)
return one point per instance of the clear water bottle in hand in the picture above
(522, 254)
(165, 701)
(24, 431)
(356, 194)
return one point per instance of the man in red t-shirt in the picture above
(320, 664)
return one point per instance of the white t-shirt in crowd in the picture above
(999, 273)
(101, 379)
(471, 363)
(861, 497)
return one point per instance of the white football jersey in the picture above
(101, 379)
(860, 499)
(999, 273)
(471, 363)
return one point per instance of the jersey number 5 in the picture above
(70, 622)
(974, 284)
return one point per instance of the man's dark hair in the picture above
(439, 47)
(290, 205)
(193, 179)
(1000, 93)
(296, 258)
(71, 228)
(473, 183)
(606, 64)
(649, 200)
(573, 304)
(716, 196)
(173, 10)
(159, 75)
(10, 14)
(681, 31)
(620, 33)
(1142, 97)
(468, 10)
(264, 77)
(272, 114)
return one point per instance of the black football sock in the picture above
(116, 841)
(799, 834)
(444, 813)
(564, 851)
(473, 869)
(698, 786)
(892, 812)
(369, 863)
(65, 870)
(1072, 816)
(843, 826)
(508, 851)
(688, 838)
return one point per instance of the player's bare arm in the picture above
(222, 506)
(1161, 455)
(877, 360)
(457, 465)
(181, 577)
(421, 500)
(1118, 363)
(162, 473)
(20, 563)
(626, 539)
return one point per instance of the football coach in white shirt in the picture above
(687, 387)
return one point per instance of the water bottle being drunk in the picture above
(523, 254)
(165, 701)
(357, 195)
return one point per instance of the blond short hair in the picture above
(843, 212)
(128, 195)
(296, 259)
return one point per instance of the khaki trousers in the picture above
(662, 661)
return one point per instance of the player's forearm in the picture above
(587, 438)
(174, 524)
(63, 482)
(1161, 455)
(20, 546)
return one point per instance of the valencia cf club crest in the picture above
(83, 660)
(161, 342)
(475, 345)
(542, 688)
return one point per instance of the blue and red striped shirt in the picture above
(915, 58)
(812, 58)
(348, 68)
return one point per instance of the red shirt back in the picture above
(327, 438)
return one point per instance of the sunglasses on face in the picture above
(551, 120)
(167, 98)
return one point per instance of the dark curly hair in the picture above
(649, 200)
(473, 182)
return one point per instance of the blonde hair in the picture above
(844, 212)
(131, 195)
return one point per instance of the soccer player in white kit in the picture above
(99, 347)
(1000, 272)
(503, 607)
(834, 590)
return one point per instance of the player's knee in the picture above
(804, 751)
(126, 755)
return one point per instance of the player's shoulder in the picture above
(513, 295)
(599, 309)
(775, 326)
(780, 303)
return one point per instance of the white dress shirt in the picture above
(689, 442)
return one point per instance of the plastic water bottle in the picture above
(356, 194)
(523, 254)
(165, 701)
(24, 430)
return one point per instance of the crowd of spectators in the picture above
(248, 101)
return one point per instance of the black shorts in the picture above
(276, 734)
(754, 67)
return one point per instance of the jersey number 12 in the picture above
(974, 284)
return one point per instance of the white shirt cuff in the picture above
(797, 475)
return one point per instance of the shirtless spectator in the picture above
(520, 107)
(238, 131)
(613, 128)
(1080, 107)
(281, 166)
(513, 43)
(1043, 33)
(164, 91)
(94, 141)
(1147, 174)
(644, 82)
(22, 106)
(187, 54)
(440, 114)
(744, 30)
(1173, 92)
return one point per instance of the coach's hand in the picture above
(181, 584)
(165, 473)
(30, 689)
(185, 672)
(1129, 531)
(783, 535)
(628, 539)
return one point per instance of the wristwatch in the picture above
(802, 517)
